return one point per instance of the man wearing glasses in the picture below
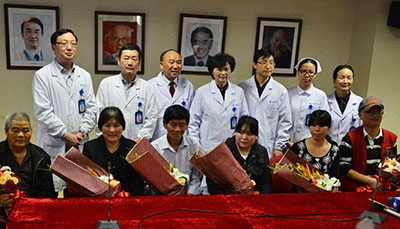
(63, 100)
(363, 148)
(268, 102)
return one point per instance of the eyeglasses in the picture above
(265, 63)
(65, 44)
(305, 72)
(374, 111)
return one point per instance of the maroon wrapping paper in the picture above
(154, 169)
(73, 168)
(221, 167)
(284, 172)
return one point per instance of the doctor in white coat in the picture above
(268, 102)
(343, 104)
(217, 106)
(170, 88)
(63, 100)
(132, 95)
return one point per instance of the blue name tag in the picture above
(81, 106)
(233, 122)
(138, 117)
(352, 128)
(307, 118)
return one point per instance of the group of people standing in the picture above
(258, 119)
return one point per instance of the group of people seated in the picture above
(258, 119)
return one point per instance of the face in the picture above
(201, 44)
(19, 134)
(32, 34)
(129, 62)
(306, 73)
(120, 36)
(65, 48)
(278, 41)
(319, 132)
(373, 117)
(344, 80)
(175, 128)
(222, 75)
(171, 65)
(244, 138)
(112, 131)
(265, 66)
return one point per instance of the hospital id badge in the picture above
(307, 118)
(233, 122)
(138, 117)
(81, 106)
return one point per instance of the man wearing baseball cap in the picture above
(363, 148)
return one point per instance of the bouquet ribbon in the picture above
(123, 194)
(367, 188)
(18, 194)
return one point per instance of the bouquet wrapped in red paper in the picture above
(84, 174)
(155, 170)
(390, 173)
(221, 167)
(304, 175)
(8, 184)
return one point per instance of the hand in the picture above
(289, 143)
(5, 200)
(375, 184)
(73, 139)
(276, 152)
(136, 139)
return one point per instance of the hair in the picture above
(340, 67)
(165, 52)
(321, 118)
(110, 113)
(264, 52)
(130, 46)
(219, 61)
(56, 34)
(200, 29)
(118, 25)
(17, 116)
(176, 112)
(34, 20)
(308, 60)
(249, 121)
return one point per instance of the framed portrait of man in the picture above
(282, 38)
(200, 38)
(28, 32)
(113, 30)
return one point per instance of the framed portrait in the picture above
(282, 37)
(28, 32)
(112, 31)
(200, 38)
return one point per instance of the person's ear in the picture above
(164, 124)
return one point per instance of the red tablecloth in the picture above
(86, 211)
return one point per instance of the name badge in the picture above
(307, 118)
(138, 117)
(233, 122)
(81, 106)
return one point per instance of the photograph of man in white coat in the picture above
(170, 87)
(63, 100)
(268, 102)
(134, 96)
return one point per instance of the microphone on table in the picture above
(394, 202)
(103, 224)
(373, 216)
(381, 207)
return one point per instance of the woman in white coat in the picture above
(343, 104)
(217, 106)
(305, 98)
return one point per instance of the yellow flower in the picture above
(182, 181)
(3, 180)
(15, 180)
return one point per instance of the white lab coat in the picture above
(341, 123)
(272, 110)
(111, 92)
(56, 109)
(303, 103)
(210, 115)
(184, 93)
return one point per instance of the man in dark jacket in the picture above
(28, 161)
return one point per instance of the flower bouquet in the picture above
(221, 167)
(85, 175)
(390, 173)
(155, 170)
(8, 184)
(304, 175)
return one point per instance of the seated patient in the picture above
(252, 156)
(319, 150)
(28, 161)
(112, 147)
(176, 148)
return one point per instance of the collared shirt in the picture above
(127, 85)
(260, 89)
(167, 81)
(23, 171)
(342, 102)
(180, 159)
(68, 77)
(33, 56)
(196, 61)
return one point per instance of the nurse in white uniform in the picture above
(305, 98)
(217, 106)
(343, 104)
